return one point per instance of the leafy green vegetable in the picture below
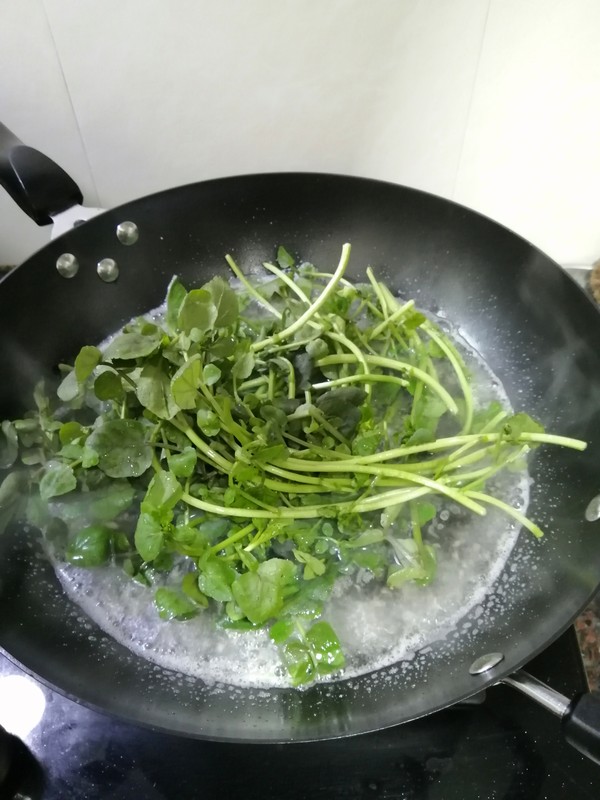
(91, 547)
(9, 444)
(260, 594)
(185, 383)
(149, 536)
(121, 448)
(216, 578)
(86, 362)
(197, 312)
(257, 443)
(58, 479)
(225, 302)
(172, 604)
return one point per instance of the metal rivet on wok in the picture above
(485, 663)
(67, 265)
(108, 270)
(127, 233)
(592, 512)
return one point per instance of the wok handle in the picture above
(35, 182)
(580, 717)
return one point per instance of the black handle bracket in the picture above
(35, 182)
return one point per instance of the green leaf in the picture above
(70, 432)
(154, 390)
(326, 648)
(421, 573)
(243, 367)
(9, 444)
(197, 312)
(176, 293)
(207, 421)
(107, 502)
(223, 347)
(91, 547)
(284, 259)
(89, 457)
(149, 536)
(298, 661)
(121, 447)
(133, 345)
(58, 479)
(342, 407)
(425, 512)
(163, 494)
(183, 464)
(69, 388)
(414, 320)
(434, 350)
(313, 566)
(189, 541)
(86, 362)
(224, 300)
(367, 443)
(260, 594)
(12, 497)
(172, 604)
(189, 586)
(419, 436)
(216, 578)
(108, 386)
(185, 383)
(367, 538)
(281, 630)
(211, 374)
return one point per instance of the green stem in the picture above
(454, 441)
(374, 503)
(397, 315)
(378, 293)
(287, 280)
(549, 438)
(311, 310)
(196, 440)
(356, 351)
(388, 472)
(397, 366)
(454, 359)
(250, 289)
(235, 537)
(512, 512)
(371, 377)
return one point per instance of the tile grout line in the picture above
(72, 105)
(471, 99)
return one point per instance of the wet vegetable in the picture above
(258, 442)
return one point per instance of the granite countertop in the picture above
(587, 626)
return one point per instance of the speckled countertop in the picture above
(587, 626)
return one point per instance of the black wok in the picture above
(533, 325)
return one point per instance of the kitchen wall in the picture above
(493, 103)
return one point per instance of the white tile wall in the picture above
(492, 102)
(34, 103)
(531, 155)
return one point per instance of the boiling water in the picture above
(377, 627)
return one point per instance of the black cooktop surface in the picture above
(504, 747)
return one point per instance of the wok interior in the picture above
(530, 322)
